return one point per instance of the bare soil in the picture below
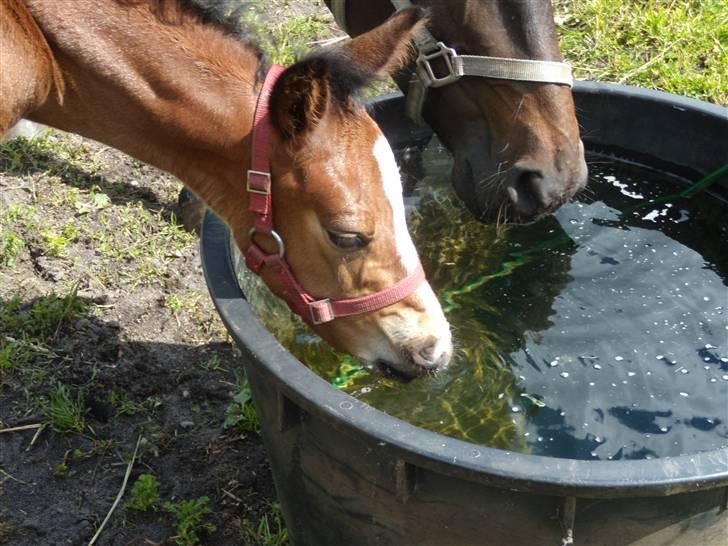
(129, 344)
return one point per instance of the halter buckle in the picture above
(426, 73)
(321, 311)
(258, 182)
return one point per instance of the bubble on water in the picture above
(365, 390)
(664, 429)
(660, 357)
(500, 396)
(724, 377)
(631, 374)
(597, 366)
(515, 409)
(564, 374)
(683, 394)
(706, 298)
(713, 380)
(591, 383)
(554, 363)
(618, 358)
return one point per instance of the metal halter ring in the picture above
(427, 75)
(277, 238)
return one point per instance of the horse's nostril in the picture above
(529, 191)
(430, 354)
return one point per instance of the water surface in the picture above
(600, 332)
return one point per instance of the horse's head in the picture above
(516, 145)
(338, 206)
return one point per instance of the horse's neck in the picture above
(178, 95)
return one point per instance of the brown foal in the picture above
(158, 81)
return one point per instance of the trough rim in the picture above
(402, 441)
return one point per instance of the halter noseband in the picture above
(261, 204)
(430, 49)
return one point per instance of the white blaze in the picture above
(405, 247)
(393, 190)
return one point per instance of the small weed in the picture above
(10, 246)
(61, 469)
(145, 494)
(56, 244)
(190, 515)
(212, 364)
(50, 312)
(64, 412)
(124, 406)
(240, 414)
(6, 530)
(268, 532)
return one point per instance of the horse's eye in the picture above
(347, 241)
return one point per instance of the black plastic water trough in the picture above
(348, 474)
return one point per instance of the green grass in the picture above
(679, 46)
(145, 494)
(64, 411)
(270, 530)
(190, 522)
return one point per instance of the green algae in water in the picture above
(599, 332)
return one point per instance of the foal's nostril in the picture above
(430, 354)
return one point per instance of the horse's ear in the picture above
(386, 48)
(300, 97)
(304, 91)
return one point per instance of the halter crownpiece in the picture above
(430, 49)
(259, 187)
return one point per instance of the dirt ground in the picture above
(101, 291)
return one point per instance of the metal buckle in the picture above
(258, 189)
(277, 238)
(321, 311)
(427, 75)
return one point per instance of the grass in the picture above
(270, 530)
(145, 494)
(679, 46)
(190, 515)
(64, 411)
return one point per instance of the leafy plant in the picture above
(190, 515)
(10, 246)
(241, 414)
(145, 494)
(65, 412)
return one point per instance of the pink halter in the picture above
(259, 193)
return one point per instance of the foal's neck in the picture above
(169, 90)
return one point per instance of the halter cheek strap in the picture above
(313, 310)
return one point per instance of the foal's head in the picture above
(337, 202)
(516, 145)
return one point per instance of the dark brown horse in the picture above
(161, 81)
(516, 146)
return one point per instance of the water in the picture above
(600, 332)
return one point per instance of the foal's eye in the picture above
(347, 241)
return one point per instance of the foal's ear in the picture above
(300, 97)
(304, 91)
(386, 48)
